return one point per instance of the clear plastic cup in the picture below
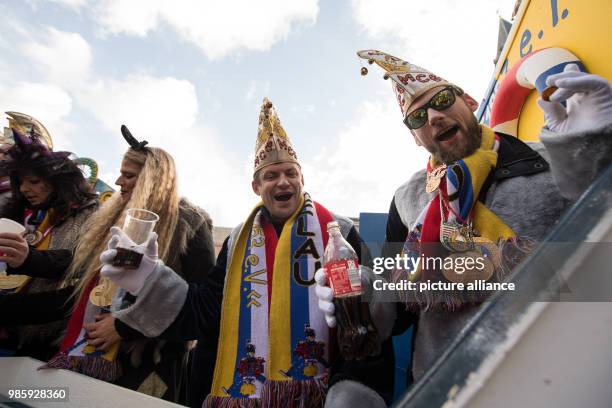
(137, 227)
(139, 224)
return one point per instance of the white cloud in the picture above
(48, 103)
(303, 110)
(157, 106)
(218, 28)
(257, 90)
(370, 159)
(73, 4)
(455, 39)
(62, 57)
(211, 176)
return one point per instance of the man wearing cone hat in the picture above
(258, 298)
(482, 190)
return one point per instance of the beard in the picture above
(472, 141)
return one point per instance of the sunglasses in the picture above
(440, 101)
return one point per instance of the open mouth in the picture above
(283, 196)
(447, 134)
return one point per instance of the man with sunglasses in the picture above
(481, 189)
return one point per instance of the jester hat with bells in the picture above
(408, 81)
(273, 145)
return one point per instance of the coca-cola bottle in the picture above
(357, 336)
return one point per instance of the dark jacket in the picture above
(41, 340)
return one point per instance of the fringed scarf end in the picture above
(92, 366)
(294, 394)
(228, 402)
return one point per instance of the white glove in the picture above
(589, 101)
(326, 297)
(131, 280)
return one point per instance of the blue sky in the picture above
(189, 76)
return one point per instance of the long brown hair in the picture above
(155, 190)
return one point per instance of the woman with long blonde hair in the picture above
(151, 174)
(95, 343)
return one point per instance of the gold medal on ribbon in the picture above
(456, 237)
(434, 177)
(490, 252)
(477, 264)
(102, 295)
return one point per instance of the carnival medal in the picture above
(485, 251)
(102, 295)
(434, 177)
(456, 237)
(33, 238)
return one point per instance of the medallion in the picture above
(102, 295)
(434, 177)
(33, 238)
(473, 267)
(456, 237)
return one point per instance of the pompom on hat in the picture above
(273, 145)
(408, 81)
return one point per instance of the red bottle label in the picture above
(344, 277)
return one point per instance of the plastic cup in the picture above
(9, 226)
(137, 227)
(139, 224)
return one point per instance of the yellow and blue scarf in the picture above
(273, 338)
(458, 190)
(461, 187)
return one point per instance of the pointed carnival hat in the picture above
(273, 145)
(409, 81)
(27, 126)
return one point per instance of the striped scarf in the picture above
(460, 187)
(273, 338)
(458, 190)
(75, 354)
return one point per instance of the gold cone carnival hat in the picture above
(408, 81)
(273, 145)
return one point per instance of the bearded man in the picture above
(482, 190)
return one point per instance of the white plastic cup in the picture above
(9, 226)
